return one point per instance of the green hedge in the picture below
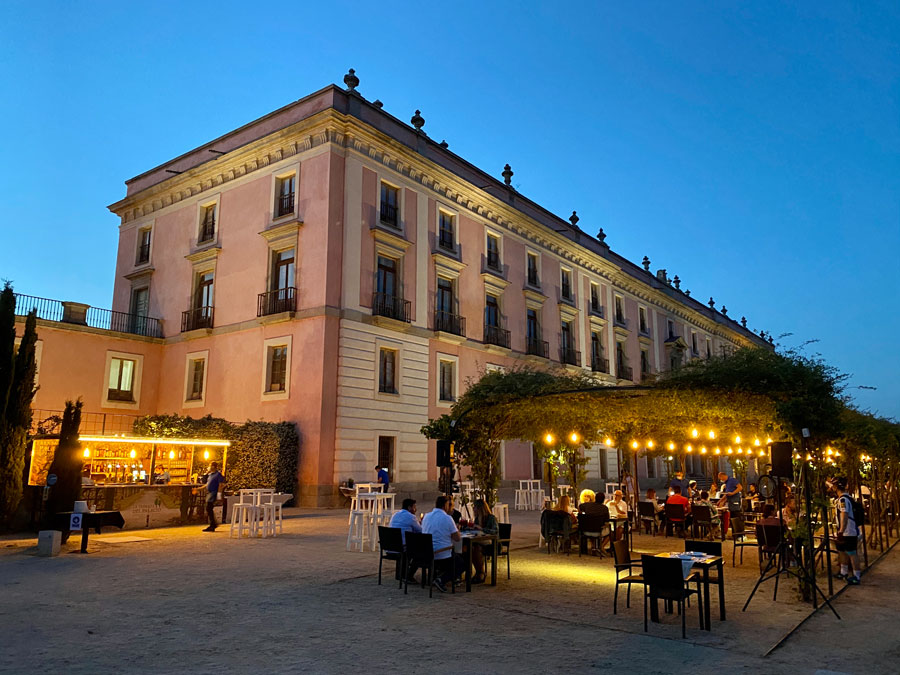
(262, 454)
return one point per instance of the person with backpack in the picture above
(847, 514)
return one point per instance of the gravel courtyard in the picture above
(185, 601)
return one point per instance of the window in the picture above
(444, 296)
(390, 205)
(532, 269)
(277, 378)
(598, 363)
(140, 309)
(708, 348)
(491, 311)
(566, 341)
(387, 371)
(620, 310)
(284, 195)
(642, 320)
(493, 251)
(282, 269)
(670, 329)
(386, 280)
(595, 298)
(645, 364)
(695, 349)
(121, 380)
(196, 378)
(533, 328)
(447, 380)
(143, 251)
(386, 455)
(446, 236)
(207, 224)
(203, 297)
(651, 467)
(565, 283)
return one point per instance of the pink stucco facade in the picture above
(334, 152)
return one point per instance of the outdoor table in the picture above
(705, 565)
(469, 539)
(373, 502)
(89, 520)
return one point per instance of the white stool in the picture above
(244, 515)
(502, 512)
(360, 530)
(523, 496)
(537, 495)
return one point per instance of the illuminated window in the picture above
(121, 380)
(532, 269)
(565, 283)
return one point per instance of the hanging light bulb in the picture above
(574, 437)
(87, 452)
(132, 454)
(671, 445)
(548, 439)
(762, 453)
(717, 451)
(694, 433)
(650, 444)
(737, 439)
(712, 435)
(670, 458)
(608, 442)
(702, 449)
(690, 448)
(206, 454)
(740, 451)
(756, 442)
(171, 454)
(635, 445)
(729, 450)
(768, 440)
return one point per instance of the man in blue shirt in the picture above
(405, 519)
(214, 483)
(383, 478)
(682, 483)
(732, 491)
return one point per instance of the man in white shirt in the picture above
(618, 508)
(439, 524)
(847, 534)
(405, 520)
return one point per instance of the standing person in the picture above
(214, 482)
(732, 493)
(381, 475)
(680, 482)
(847, 535)
(439, 524)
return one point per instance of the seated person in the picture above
(618, 508)
(586, 497)
(680, 482)
(752, 492)
(677, 498)
(487, 523)
(657, 507)
(439, 524)
(769, 517)
(589, 506)
(704, 502)
(405, 519)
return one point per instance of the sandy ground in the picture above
(187, 601)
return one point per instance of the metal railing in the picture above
(624, 372)
(277, 301)
(207, 228)
(284, 204)
(493, 260)
(620, 320)
(569, 356)
(389, 215)
(494, 335)
(450, 323)
(390, 306)
(199, 317)
(48, 422)
(599, 364)
(537, 347)
(143, 254)
(123, 322)
(104, 319)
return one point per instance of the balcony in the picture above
(450, 323)
(85, 315)
(143, 254)
(569, 356)
(389, 215)
(207, 228)
(277, 301)
(620, 321)
(391, 307)
(537, 347)
(284, 205)
(494, 335)
(599, 364)
(197, 318)
(624, 372)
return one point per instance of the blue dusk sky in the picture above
(753, 149)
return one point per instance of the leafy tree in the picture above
(67, 462)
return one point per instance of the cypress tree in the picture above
(7, 370)
(67, 462)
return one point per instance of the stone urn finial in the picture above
(574, 219)
(744, 321)
(417, 120)
(771, 340)
(507, 175)
(378, 104)
(601, 236)
(677, 282)
(711, 303)
(646, 263)
(444, 144)
(724, 310)
(351, 80)
(687, 292)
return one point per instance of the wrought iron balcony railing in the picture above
(284, 204)
(569, 356)
(624, 372)
(389, 215)
(494, 335)
(390, 306)
(450, 323)
(199, 317)
(599, 364)
(277, 301)
(537, 347)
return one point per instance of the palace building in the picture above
(330, 265)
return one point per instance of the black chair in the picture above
(505, 532)
(420, 552)
(647, 513)
(390, 541)
(675, 519)
(769, 540)
(593, 526)
(702, 521)
(663, 578)
(741, 540)
(710, 547)
(624, 563)
(556, 525)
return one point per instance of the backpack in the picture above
(858, 513)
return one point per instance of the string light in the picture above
(574, 437)
(756, 442)
(762, 453)
(741, 451)
(768, 440)
(171, 454)
(608, 442)
(712, 435)
(635, 445)
(690, 448)
(671, 445)
(737, 439)
(548, 439)
(206, 454)
(671, 458)
(87, 452)
(132, 454)
(650, 444)
(728, 450)
(694, 433)
(702, 449)
(717, 451)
